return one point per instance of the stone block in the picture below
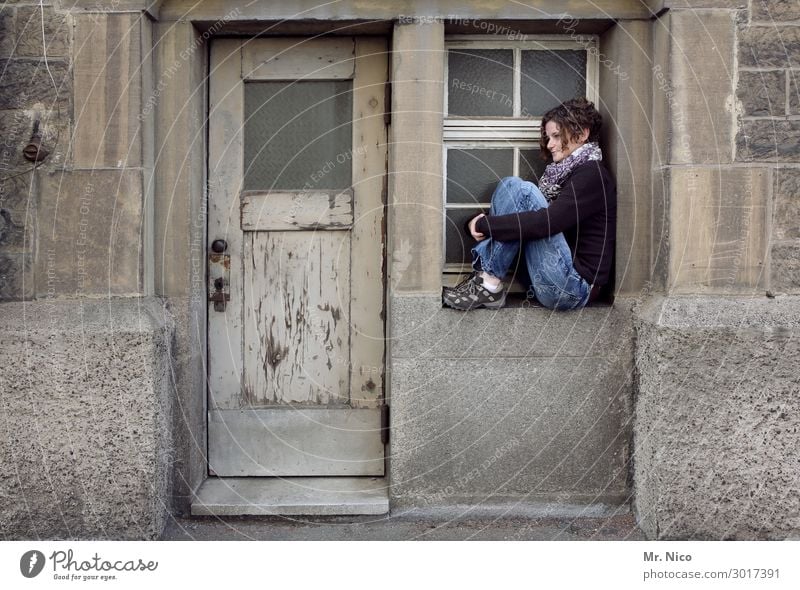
(661, 230)
(785, 266)
(86, 428)
(768, 141)
(7, 32)
(762, 93)
(487, 431)
(17, 191)
(716, 429)
(422, 328)
(189, 375)
(91, 223)
(108, 91)
(423, 10)
(16, 276)
(718, 230)
(786, 204)
(179, 198)
(27, 82)
(774, 10)
(678, 4)
(629, 151)
(702, 73)
(30, 22)
(663, 94)
(794, 92)
(498, 406)
(769, 47)
(17, 127)
(151, 6)
(415, 185)
(12, 230)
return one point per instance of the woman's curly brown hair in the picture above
(572, 117)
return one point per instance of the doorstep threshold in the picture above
(291, 496)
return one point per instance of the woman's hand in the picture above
(475, 233)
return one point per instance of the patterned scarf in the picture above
(552, 180)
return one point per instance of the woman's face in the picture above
(557, 150)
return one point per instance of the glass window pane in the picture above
(473, 174)
(531, 165)
(480, 82)
(551, 77)
(297, 135)
(458, 243)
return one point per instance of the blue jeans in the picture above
(554, 281)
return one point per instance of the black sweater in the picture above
(585, 211)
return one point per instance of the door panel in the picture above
(272, 442)
(297, 192)
(276, 211)
(296, 332)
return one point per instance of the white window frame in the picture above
(503, 132)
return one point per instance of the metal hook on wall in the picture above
(34, 151)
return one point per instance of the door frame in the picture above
(368, 62)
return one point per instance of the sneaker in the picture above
(471, 294)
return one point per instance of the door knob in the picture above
(219, 246)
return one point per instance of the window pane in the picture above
(480, 82)
(297, 135)
(458, 243)
(531, 165)
(551, 77)
(473, 174)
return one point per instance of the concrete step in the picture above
(429, 527)
(235, 496)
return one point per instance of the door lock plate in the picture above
(219, 271)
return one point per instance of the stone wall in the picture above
(85, 385)
(769, 134)
(715, 432)
(36, 87)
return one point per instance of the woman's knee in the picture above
(511, 182)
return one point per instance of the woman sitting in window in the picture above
(566, 226)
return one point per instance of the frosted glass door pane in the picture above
(480, 82)
(551, 77)
(473, 174)
(298, 135)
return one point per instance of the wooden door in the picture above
(297, 156)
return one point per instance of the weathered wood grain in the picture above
(225, 177)
(369, 248)
(297, 210)
(297, 295)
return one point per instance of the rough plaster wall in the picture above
(84, 420)
(716, 422)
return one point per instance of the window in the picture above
(495, 96)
